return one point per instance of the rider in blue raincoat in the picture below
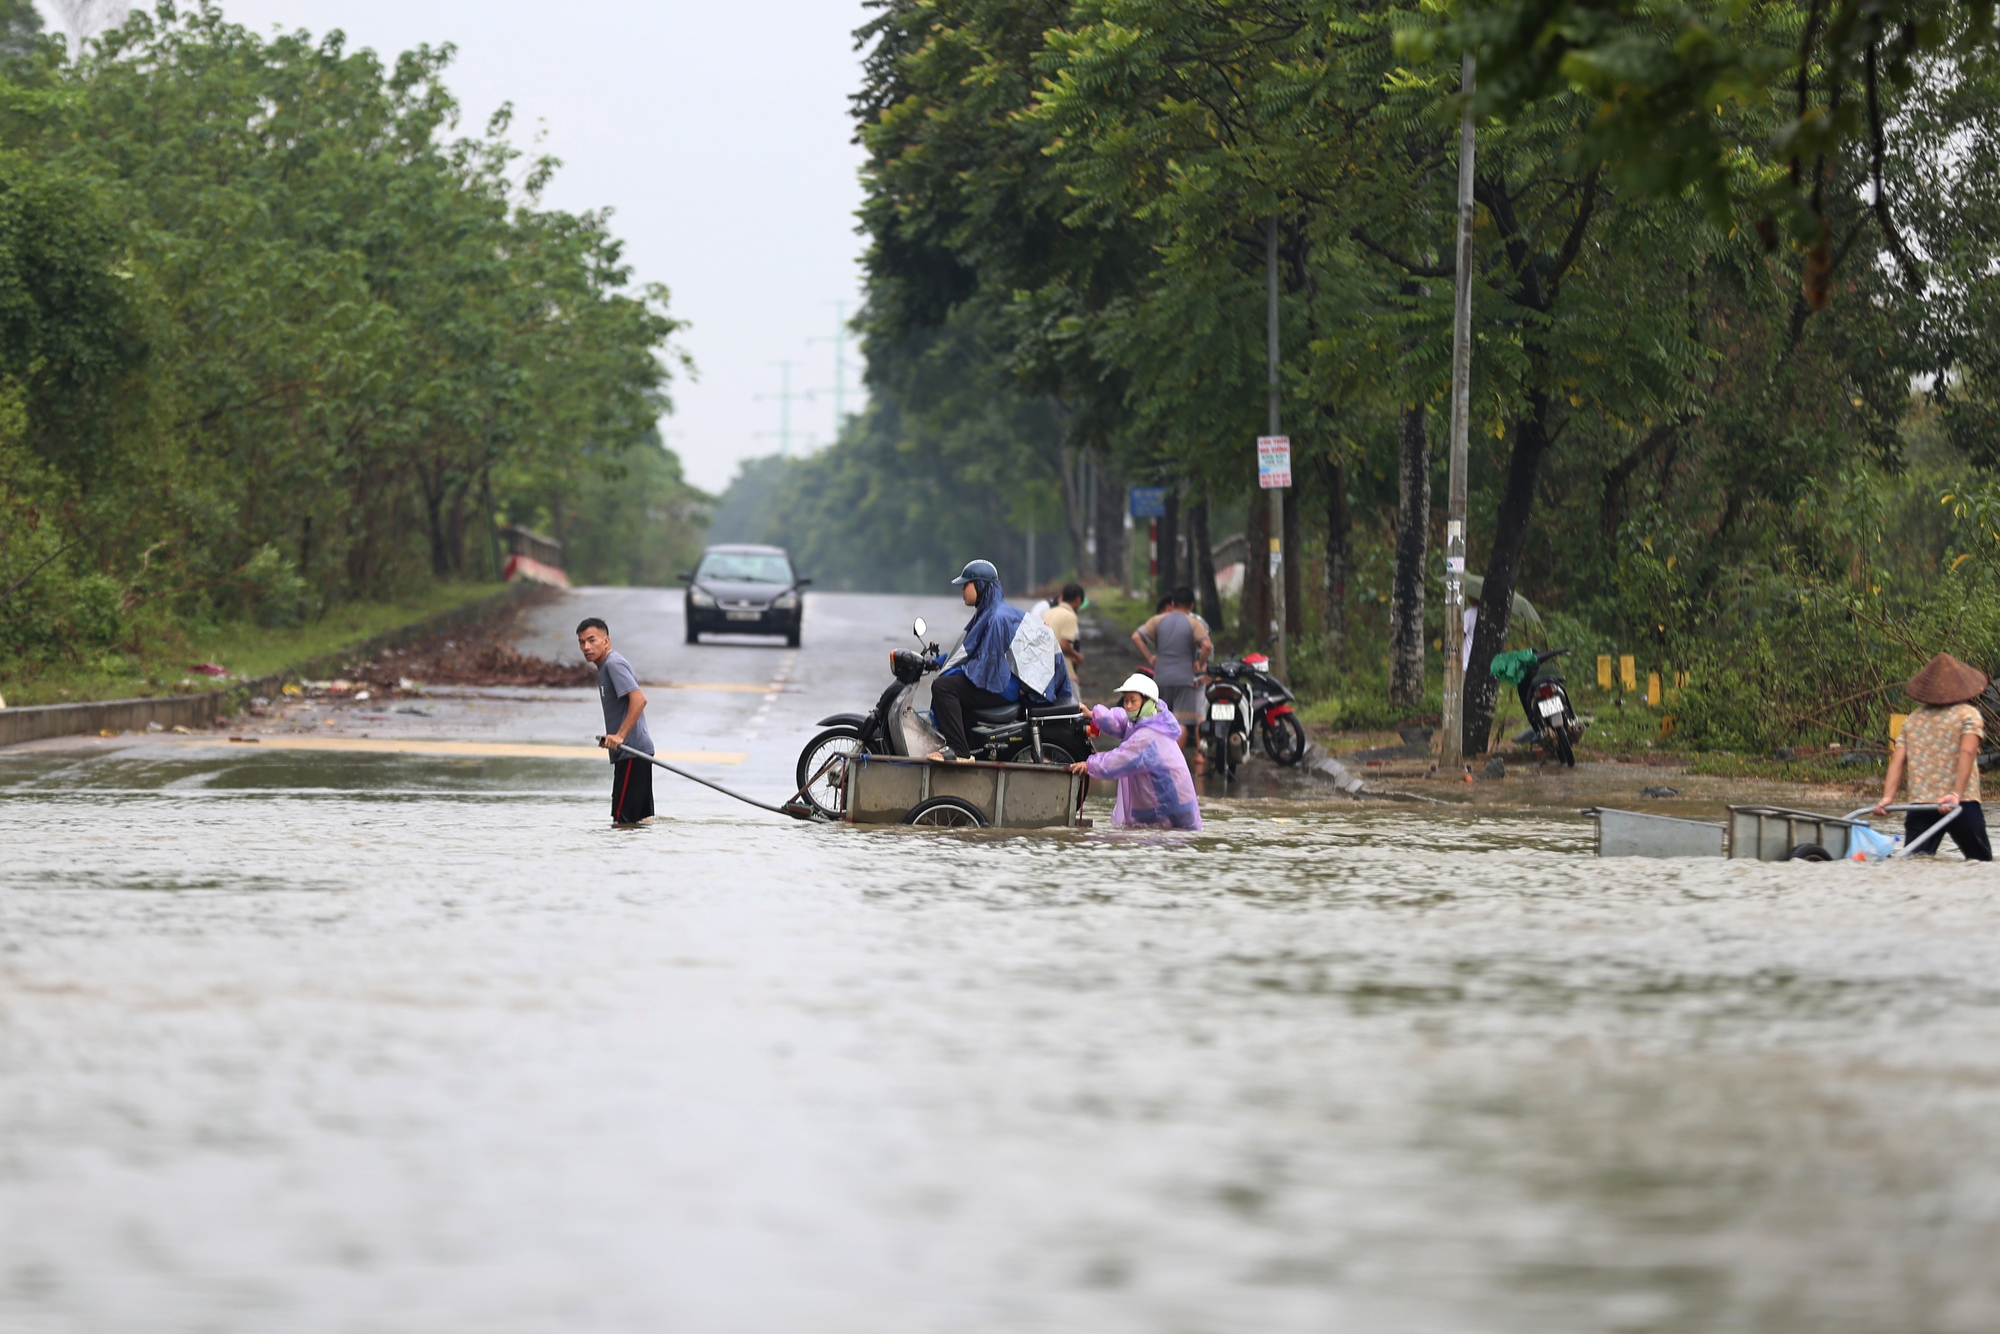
(981, 673)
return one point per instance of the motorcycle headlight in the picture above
(700, 597)
(784, 602)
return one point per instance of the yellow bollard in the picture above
(1680, 680)
(1896, 725)
(1628, 671)
(1604, 671)
(1653, 688)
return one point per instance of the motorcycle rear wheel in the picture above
(1285, 739)
(1563, 751)
(827, 792)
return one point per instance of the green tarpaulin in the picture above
(1514, 667)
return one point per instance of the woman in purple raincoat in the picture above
(1154, 787)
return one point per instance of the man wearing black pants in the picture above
(952, 697)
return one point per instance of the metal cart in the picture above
(892, 789)
(1752, 833)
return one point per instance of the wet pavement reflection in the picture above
(376, 1042)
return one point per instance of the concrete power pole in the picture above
(1451, 756)
(1277, 500)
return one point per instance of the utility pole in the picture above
(784, 397)
(1277, 500)
(839, 341)
(1451, 755)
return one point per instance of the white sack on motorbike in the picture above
(1032, 655)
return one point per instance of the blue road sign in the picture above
(1148, 502)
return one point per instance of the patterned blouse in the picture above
(1931, 738)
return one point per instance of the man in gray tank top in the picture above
(1176, 646)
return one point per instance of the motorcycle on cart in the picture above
(1019, 733)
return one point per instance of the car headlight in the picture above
(701, 598)
(784, 602)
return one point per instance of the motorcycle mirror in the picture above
(920, 627)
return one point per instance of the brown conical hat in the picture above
(1946, 680)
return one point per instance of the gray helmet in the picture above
(976, 571)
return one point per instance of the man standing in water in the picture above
(624, 724)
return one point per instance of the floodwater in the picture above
(371, 1042)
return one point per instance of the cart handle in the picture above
(1928, 834)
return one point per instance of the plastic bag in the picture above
(1865, 844)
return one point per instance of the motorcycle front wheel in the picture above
(827, 792)
(1284, 739)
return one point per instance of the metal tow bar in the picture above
(796, 812)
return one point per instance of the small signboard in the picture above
(1148, 502)
(1274, 461)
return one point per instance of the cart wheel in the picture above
(1809, 852)
(947, 813)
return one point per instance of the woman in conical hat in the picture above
(1938, 750)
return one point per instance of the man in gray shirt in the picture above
(1176, 646)
(624, 724)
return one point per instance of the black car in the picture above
(744, 590)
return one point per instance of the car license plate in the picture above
(1551, 707)
(746, 615)
(1222, 713)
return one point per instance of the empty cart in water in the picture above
(1751, 833)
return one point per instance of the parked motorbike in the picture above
(1552, 721)
(1265, 705)
(1226, 713)
(1021, 733)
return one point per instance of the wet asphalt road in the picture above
(335, 1040)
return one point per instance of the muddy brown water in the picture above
(343, 1042)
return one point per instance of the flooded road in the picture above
(334, 1040)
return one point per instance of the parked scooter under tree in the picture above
(1537, 678)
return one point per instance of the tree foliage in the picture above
(1703, 293)
(271, 337)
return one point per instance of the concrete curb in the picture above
(40, 721)
(1318, 761)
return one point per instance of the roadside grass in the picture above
(160, 663)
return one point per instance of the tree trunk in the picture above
(1170, 525)
(1203, 553)
(1110, 488)
(434, 521)
(1255, 613)
(1070, 463)
(1503, 569)
(1333, 588)
(1413, 530)
(1295, 602)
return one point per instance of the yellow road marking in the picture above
(510, 749)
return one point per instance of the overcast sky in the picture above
(718, 133)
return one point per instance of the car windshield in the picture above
(748, 567)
